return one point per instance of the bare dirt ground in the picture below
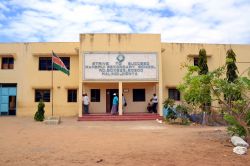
(25, 142)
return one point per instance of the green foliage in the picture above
(202, 62)
(168, 103)
(182, 109)
(234, 127)
(39, 115)
(248, 117)
(183, 112)
(195, 90)
(195, 87)
(180, 112)
(231, 66)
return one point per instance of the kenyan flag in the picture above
(58, 64)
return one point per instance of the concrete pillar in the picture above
(80, 100)
(80, 84)
(160, 86)
(120, 98)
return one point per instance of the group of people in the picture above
(152, 105)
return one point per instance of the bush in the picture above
(180, 112)
(168, 103)
(39, 115)
(183, 111)
(234, 127)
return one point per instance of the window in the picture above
(66, 61)
(7, 63)
(72, 95)
(42, 94)
(174, 94)
(45, 63)
(196, 59)
(95, 95)
(138, 94)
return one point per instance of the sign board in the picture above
(120, 66)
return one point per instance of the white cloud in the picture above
(208, 21)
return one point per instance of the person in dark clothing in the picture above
(149, 108)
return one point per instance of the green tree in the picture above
(202, 62)
(237, 113)
(231, 66)
(39, 115)
(231, 74)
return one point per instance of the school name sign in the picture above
(120, 66)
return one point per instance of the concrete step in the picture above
(125, 117)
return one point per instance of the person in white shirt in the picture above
(85, 101)
(155, 102)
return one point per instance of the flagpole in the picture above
(52, 82)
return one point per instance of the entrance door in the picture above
(109, 98)
(7, 99)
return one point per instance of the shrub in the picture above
(39, 115)
(168, 103)
(234, 127)
(181, 112)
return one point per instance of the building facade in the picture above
(135, 65)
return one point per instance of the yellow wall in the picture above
(176, 54)
(28, 77)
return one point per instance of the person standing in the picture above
(155, 103)
(115, 102)
(124, 103)
(86, 103)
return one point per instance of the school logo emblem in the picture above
(120, 58)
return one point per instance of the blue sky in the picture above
(195, 21)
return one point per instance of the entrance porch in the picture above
(137, 96)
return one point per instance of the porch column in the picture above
(80, 99)
(120, 98)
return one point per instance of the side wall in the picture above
(176, 54)
(28, 77)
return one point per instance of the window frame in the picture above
(9, 64)
(176, 94)
(195, 61)
(70, 95)
(94, 97)
(140, 99)
(42, 91)
(48, 61)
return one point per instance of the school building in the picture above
(137, 65)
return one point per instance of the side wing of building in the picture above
(26, 77)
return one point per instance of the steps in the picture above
(124, 117)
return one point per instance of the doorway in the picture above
(8, 99)
(12, 105)
(109, 98)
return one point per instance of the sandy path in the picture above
(25, 142)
